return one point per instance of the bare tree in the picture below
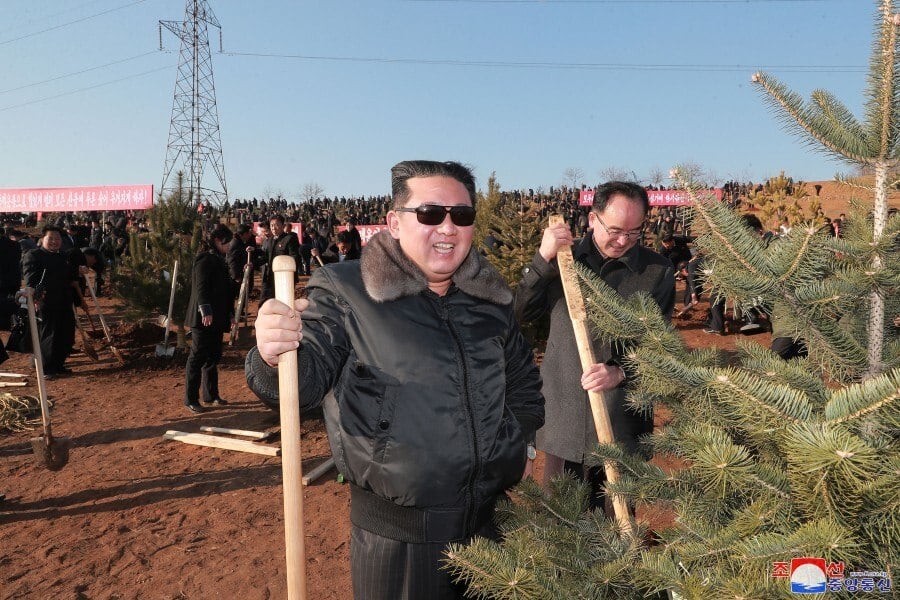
(657, 177)
(574, 177)
(698, 175)
(310, 191)
(613, 173)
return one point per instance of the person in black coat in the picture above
(341, 250)
(209, 317)
(283, 243)
(236, 256)
(10, 263)
(49, 272)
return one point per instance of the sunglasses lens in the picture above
(430, 214)
(462, 216)
(433, 214)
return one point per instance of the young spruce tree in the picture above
(782, 459)
(174, 234)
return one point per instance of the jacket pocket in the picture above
(384, 424)
(509, 454)
(365, 411)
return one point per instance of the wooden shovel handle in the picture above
(578, 315)
(38, 365)
(289, 407)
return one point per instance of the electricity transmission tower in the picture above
(194, 141)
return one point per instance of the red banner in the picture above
(365, 231)
(657, 197)
(76, 199)
(679, 197)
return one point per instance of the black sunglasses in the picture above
(434, 214)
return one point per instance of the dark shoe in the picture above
(194, 407)
(217, 402)
(65, 371)
(49, 375)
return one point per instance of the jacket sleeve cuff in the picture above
(205, 310)
(261, 378)
(539, 271)
(529, 428)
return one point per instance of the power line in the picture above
(58, 77)
(84, 89)
(712, 68)
(628, 1)
(32, 19)
(55, 27)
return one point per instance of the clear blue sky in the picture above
(680, 92)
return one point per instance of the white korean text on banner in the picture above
(76, 199)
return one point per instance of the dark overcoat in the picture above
(568, 430)
(211, 286)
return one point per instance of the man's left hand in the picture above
(602, 377)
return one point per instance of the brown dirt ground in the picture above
(135, 516)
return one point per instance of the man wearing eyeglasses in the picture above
(436, 394)
(612, 250)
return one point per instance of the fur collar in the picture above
(388, 274)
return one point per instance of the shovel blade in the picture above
(54, 455)
(165, 350)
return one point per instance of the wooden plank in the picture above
(214, 441)
(12, 375)
(4, 384)
(319, 471)
(578, 315)
(256, 435)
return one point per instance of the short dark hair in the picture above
(278, 218)
(406, 170)
(343, 237)
(222, 233)
(630, 190)
(48, 228)
(242, 229)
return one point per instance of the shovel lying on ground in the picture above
(86, 346)
(113, 349)
(164, 349)
(51, 452)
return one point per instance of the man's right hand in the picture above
(279, 329)
(555, 237)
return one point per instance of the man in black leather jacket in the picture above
(436, 394)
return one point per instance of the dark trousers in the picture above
(716, 314)
(206, 351)
(305, 258)
(595, 476)
(788, 348)
(385, 569)
(56, 330)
